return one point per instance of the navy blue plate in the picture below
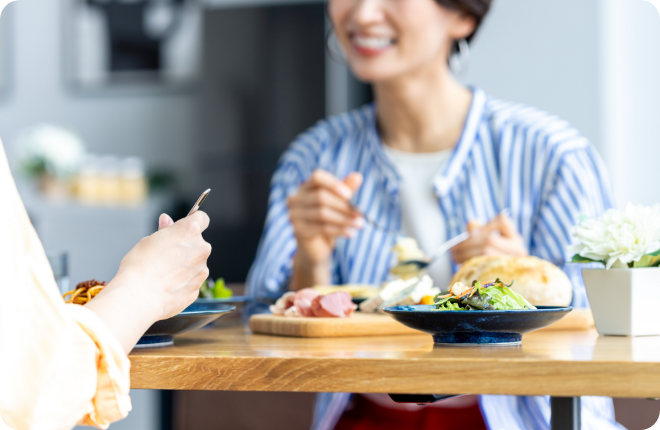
(476, 327)
(197, 315)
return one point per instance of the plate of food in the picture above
(491, 313)
(195, 316)
(161, 333)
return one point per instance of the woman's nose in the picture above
(368, 11)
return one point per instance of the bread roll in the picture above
(539, 281)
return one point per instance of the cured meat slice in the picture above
(295, 304)
(333, 305)
(303, 301)
(283, 303)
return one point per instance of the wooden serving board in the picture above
(359, 324)
(577, 319)
(367, 324)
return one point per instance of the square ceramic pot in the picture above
(619, 300)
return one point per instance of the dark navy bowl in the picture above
(476, 327)
(197, 315)
(234, 300)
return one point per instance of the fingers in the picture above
(501, 245)
(353, 181)
(197, 222)
(164, 221)
(473, 227)
(467, 250)
(484, 241)
(323, 179)
(325, 215)
(323, 198)
(321, 206)
(505, 226)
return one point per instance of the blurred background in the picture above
(113, 112)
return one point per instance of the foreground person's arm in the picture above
(157, 279)
(62, 364)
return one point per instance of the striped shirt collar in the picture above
(444, 179)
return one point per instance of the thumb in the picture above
(353, 181)
(504, 225)
(473, 227)
(164, 221)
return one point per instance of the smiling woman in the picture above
(431, 159)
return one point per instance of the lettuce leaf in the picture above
(504, 299)
(493, 296)
(449, 306)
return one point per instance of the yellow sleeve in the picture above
(58, 364)
(111, 401)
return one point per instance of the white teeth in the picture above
(372, 42)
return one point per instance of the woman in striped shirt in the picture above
(430, 158)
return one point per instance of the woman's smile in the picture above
(369, 45)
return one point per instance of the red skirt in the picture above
(366, 415)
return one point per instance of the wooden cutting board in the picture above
(363, 324)
(359, 324)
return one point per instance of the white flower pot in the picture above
(620, 298)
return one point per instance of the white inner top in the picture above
(421, 217)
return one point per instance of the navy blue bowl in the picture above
(197, 315)
(234, 300)
(476, 327)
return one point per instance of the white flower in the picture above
(619, 237)
(59, 149)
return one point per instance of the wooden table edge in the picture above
(317, 374)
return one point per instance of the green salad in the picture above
(214, 290)
(493, 296)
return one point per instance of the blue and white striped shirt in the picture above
(508, 156)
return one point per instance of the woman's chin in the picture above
(373, 73)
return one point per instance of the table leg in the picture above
(565, 413)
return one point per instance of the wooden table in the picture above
(562, 364)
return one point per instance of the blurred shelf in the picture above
(95, 237)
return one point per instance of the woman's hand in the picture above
(484, 241)
(157, 279)
(320, 213)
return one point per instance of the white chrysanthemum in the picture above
(619, 236)
(59, 149)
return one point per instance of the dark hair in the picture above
(474, 8)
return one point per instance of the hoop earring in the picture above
(459, 59)
(336, 53)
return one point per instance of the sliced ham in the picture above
(283, 303)
(295, 304)
(333, 305)
(303, 301)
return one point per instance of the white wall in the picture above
(156, 127)
(631, 109)
(544, 53)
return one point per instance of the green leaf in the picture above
(220, 291)
(577, 258)
(449, 306)
(648, 260)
